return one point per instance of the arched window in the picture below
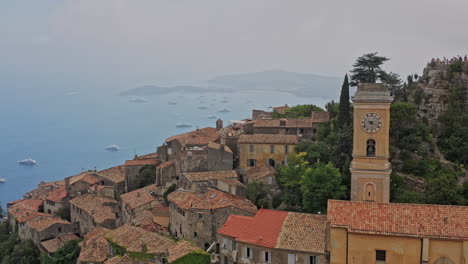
(370, 151)
(370, 190)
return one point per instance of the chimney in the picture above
(219, 124)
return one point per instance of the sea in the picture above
(67, 130)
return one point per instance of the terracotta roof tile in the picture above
(259, 172)
(153, 155)
(210, 175)
(95, 249)
(75, 178)
(90, 179)
(115, 174)
(136, 239)
(235, 224)
(303, 232)
(140, 197)
(166, 164)
(200, 136)
(268, 139)
(320, 117)
(213, 199)
(52, 245)
(57, 195)
(28, 204)
(24, 215)
(181, 249)
(232, 182)
(415, 220)
(97, 232)
(41, 223)
(99, 208)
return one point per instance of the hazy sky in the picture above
(175, 41)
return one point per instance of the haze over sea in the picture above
(67, 128)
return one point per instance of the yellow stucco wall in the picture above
(262, 153)
(452, 250)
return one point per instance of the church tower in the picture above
(370, 168)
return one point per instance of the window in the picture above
(301, 131)
(270, 179)
(291, 258)
(272, 148)
(286, 149)
(272, 162)
(251, 148)
(380, 255)
(225, 242)
(195, 234)
(267, 257)
(313, 260)
(234, 245)
(248, 252)
(200, 215)
(251, 162)
(370, 151)
(370, 189)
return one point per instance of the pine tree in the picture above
(344, 118)
(367, 69)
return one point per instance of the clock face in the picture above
(371, 123)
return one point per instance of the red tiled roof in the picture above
(320, 117)
(141, 162)
(415, 220)
(28, 204)
(94, 249)
(24, 215)
(214, 145)
(115, 174)
(259, 172)
(153, 155)
(41, 223)
(181, 249)
(235, 224)
(99, 208)
(166, 164)
(140, 197)
(232, 182)
(268, 139)
(88, 178)
(200, 136)
(213, 199)
(57, 195)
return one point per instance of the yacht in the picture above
(2, 180)
(137, 100)
(212, 117)
(183, 125)
(224, 110)
(27, 161)
(113, 148)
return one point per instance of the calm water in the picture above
(67, 131)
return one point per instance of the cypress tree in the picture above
(344, 118)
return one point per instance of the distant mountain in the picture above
(302, 84)
(305, 84)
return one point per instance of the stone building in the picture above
(199, 181)
(372, 232)
(260, 149)
(102, 191)
(94, 248)
(79, 184)
(133, 168)
(276, 237)
(53, 245)
(232, 186)
(114, 177)
(56, 199)
(166, 174)
(91, 211)
(304, 128)
(139, 200)
(21, 208)
(263, 173)
(45, 227)
(197, 217)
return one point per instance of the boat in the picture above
(224, 110)
(212, 117)
(183, 125)
(202, 107)
(2, 180)
(113, 148)
(27, 161)
(137, 100)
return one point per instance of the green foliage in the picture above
(411, 197)
(298, 111)
(344, 115)
(257, 193)
(68, 254)
(368, 69)
(289, 178)
(320, 183)
(12, 250)
(145, 177)
(64, 213)
(171, 188)
(2, 212)
(195, 257)
(443, 189)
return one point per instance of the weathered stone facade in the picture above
(166, 174)
(45, 227)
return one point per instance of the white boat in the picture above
(224, 110)
(212, 117)
(137, 100)
(27, 161)
(113, 148)
(183, 125)
(2, 180)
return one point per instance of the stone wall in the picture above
(165, 176)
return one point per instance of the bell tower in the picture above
(370, 168)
